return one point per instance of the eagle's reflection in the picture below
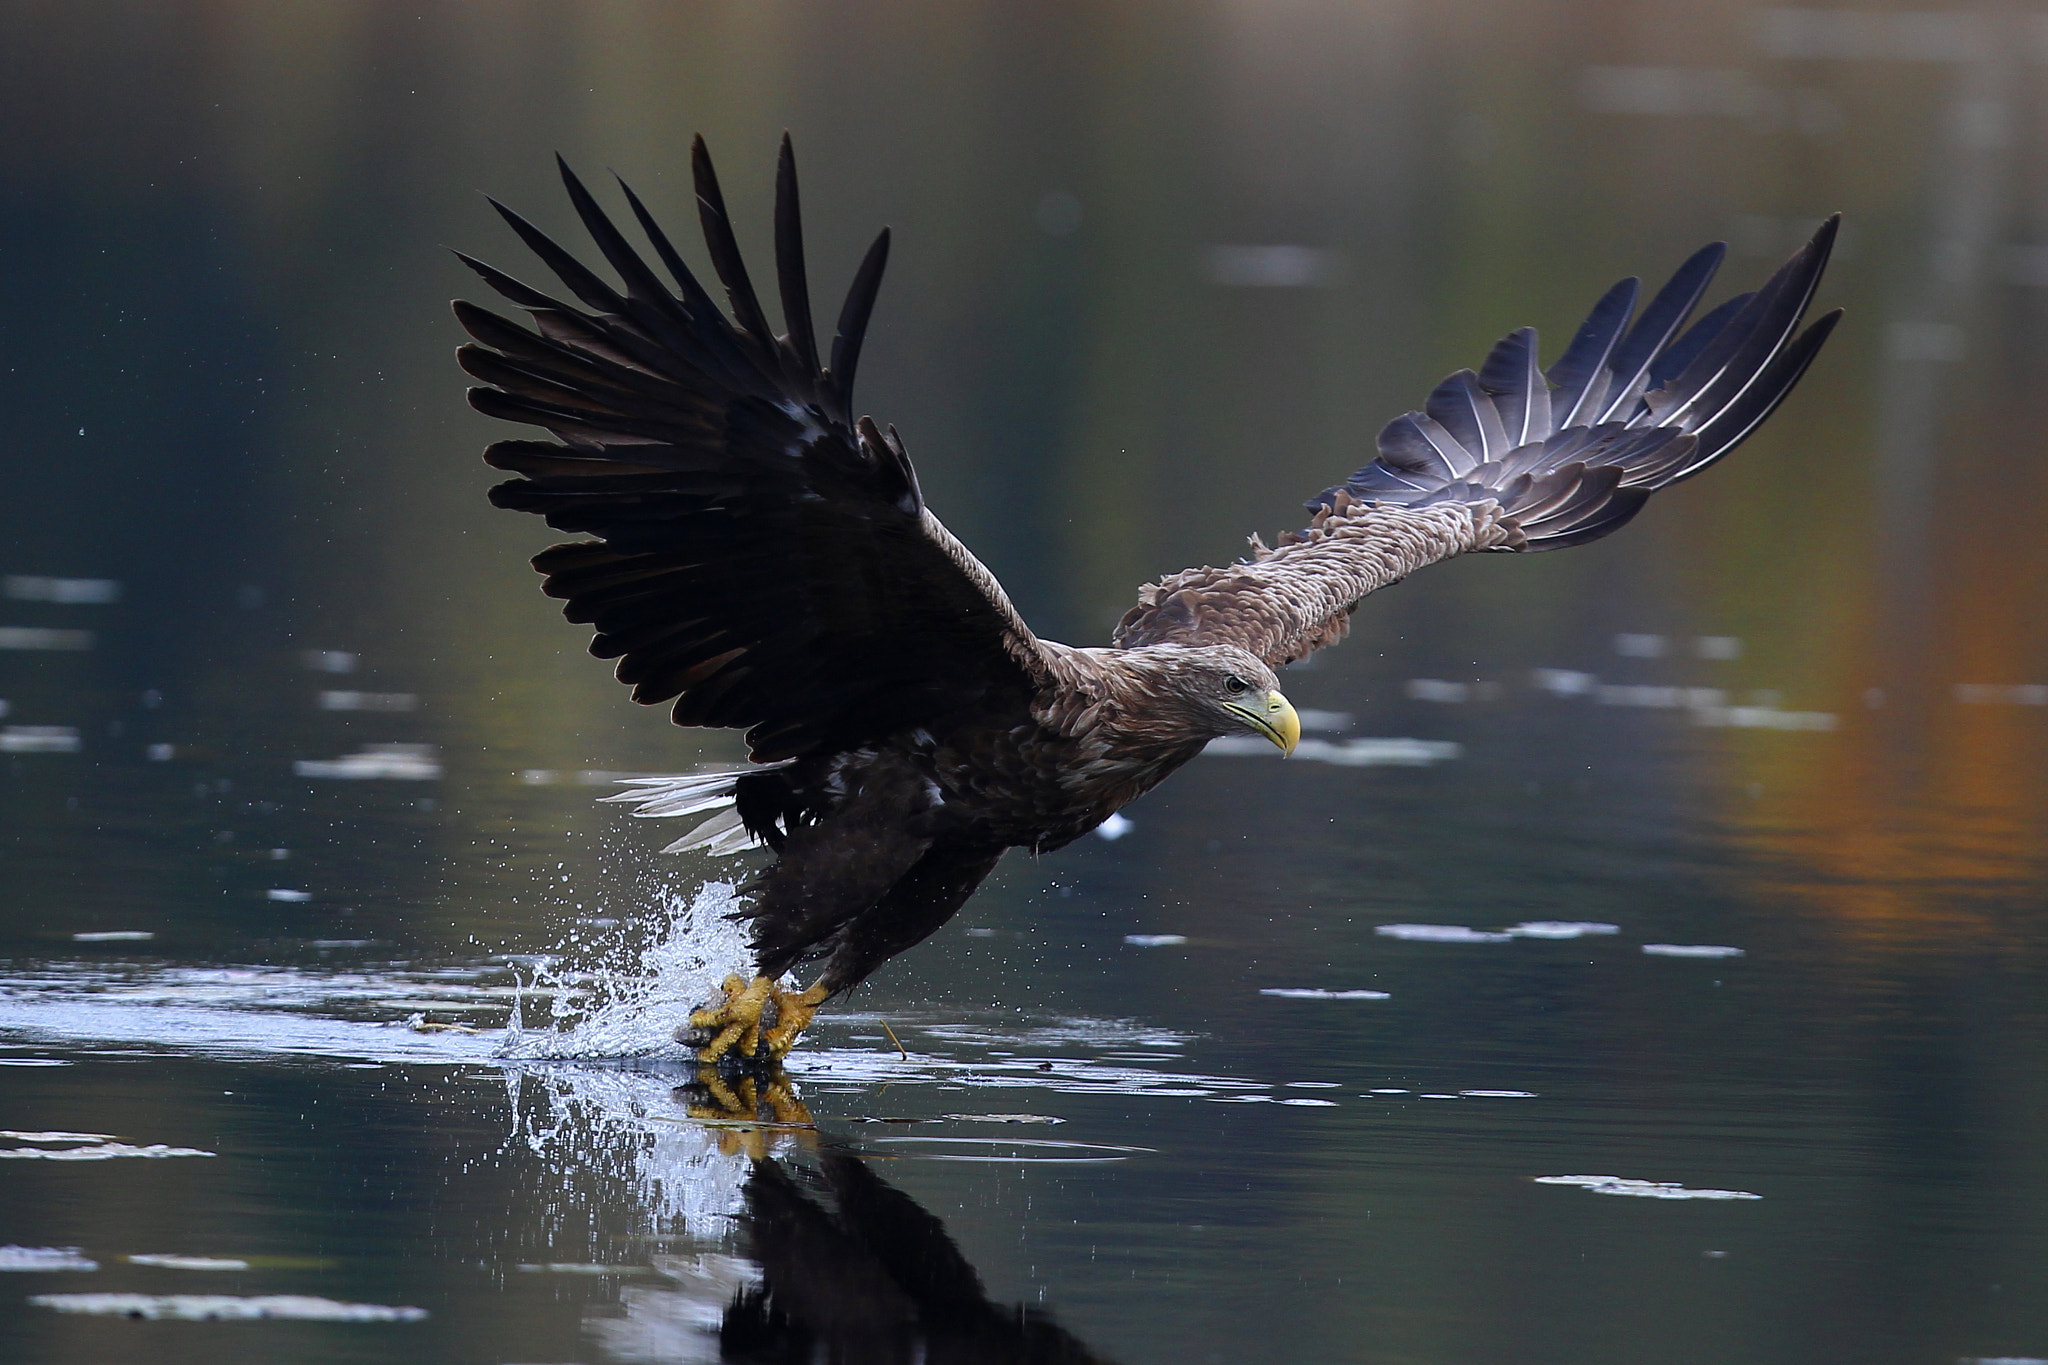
(853, 1270)
(786, 1246)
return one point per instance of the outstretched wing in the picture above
(1514, 458)
(760, 558)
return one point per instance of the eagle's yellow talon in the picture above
(794, 1012)
(756, 1013)
(722, 1044)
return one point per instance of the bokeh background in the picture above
(1160, 271)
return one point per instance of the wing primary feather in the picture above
(1660, 321)
(640, 281)
(1724, 373)
(1732, 426)
(582, 282)
(725, 248)
(853, 322)
(710, 328)
(525, 295)
(1586, 357)
(1676, 358)
(790, 280)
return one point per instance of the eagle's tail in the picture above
(694, 794)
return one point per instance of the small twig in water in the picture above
(898, 1041)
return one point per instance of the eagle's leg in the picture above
(755, 1015)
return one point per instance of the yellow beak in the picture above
(1274, 718)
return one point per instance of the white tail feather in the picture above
(693, 794)
(721, 834)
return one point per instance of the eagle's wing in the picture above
(1512, 458)
(761, 558)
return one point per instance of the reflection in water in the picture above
(783, 1244)
(852, 1269)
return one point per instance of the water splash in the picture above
(624, 1133)
(647, 977)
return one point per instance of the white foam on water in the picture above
(1560, 928)
(224, 1307)
(1317, 993)
(99, 1151)
(58, 1136)
(223, 1013)
(1155, 940)
(1691, 950)
(169, 1261)
(1439, 933)
(1640, 1189)
(45, 1258)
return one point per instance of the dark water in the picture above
(324, 744)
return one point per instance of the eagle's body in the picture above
(914, 823)
(764, 560)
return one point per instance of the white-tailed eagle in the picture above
(762, 558)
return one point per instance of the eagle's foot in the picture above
(758, 1021)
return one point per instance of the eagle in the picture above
(759, 557)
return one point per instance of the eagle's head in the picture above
(1207, 691)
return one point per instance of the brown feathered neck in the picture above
(1158, 700)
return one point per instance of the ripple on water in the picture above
(224, 1307)
(1018, 1151)
(98, 1151)
(1317, 993)
(1691, 950)
(45, 1258)
(1439, 933)
(1640, 1189)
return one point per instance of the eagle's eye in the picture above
(1235, 684)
